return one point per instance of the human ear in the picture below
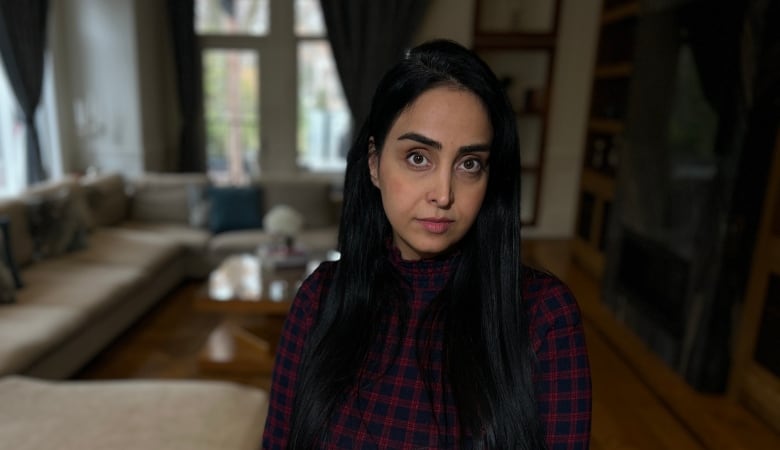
(373, 162)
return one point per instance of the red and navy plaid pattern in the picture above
(391, 407)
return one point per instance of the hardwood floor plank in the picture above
(626, 413)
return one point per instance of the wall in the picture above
(112, 103)
(569, 101)
(450, 19)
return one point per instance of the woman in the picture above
(428, 333)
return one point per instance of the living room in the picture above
(111, 108)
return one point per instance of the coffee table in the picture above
(256, 299)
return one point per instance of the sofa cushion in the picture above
(193, 242)
(106, 198)
(6, 253)
(310, 197)
(90, 287)
(21, 240)
(115, 246)
(130, 414)
(239, 241)
(28, 331)
(235, 208)
(58, 221)
(158, 197)
(7, 285)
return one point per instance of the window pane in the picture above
(308, 18)
(232, 17)
(323, 115)
(231, 97)
(12, 140)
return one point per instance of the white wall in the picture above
(102, 75)
(115, 100)
(569, 103)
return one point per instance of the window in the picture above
(323, 115)
(257, 56)
(13, 140)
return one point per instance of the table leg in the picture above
(231, 348)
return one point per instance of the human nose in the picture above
(440, 192)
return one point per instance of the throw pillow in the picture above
(6, 253)
(57, 224)
(7, 288)
(106, 199)
(235, 208)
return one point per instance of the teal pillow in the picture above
(235, 208)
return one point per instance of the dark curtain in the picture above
(192, 152)
(22, 45)
(367, 38)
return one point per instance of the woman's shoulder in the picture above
(314, 286)
(320, 277)
(549, 300)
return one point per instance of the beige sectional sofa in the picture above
(129, 415)
(140, 244)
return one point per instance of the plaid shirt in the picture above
(395, 410)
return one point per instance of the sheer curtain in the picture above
(367, 38)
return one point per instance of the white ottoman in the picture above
(129, 414)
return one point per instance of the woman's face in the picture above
(432, 171)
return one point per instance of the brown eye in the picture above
(417, 159)
(471, 165)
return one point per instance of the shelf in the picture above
(598, 183)
(616, 70)
(607, 126)
(618, 13)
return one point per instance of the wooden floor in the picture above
(638, 402)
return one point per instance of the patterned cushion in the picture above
(7, 287)
(106, 198)
(8, 267)
(58, 223)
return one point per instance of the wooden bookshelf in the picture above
(756, 363)
(522, 54)
(609, 101)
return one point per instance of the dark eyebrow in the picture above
(421, 139)
(437, 145)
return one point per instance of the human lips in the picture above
(436, 225)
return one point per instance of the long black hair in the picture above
(488, 355)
